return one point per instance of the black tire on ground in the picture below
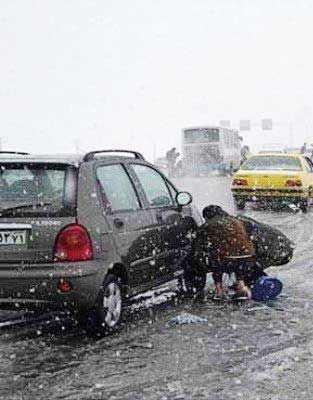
(105, 317)
(239, 203)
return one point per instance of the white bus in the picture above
(210, 148)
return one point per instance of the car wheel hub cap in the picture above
(112, 304)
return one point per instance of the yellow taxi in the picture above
(287, 178)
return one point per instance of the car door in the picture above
(132, 226)
(174, 223)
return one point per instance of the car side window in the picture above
(117, 188)
(154, 186)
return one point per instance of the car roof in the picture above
(273, 154)
(72, 159)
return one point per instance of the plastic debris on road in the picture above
(258, 308)
(186, 318)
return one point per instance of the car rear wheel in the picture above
(106, 316)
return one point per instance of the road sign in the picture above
(244, 125)
(267, 124)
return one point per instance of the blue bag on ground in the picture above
(266, 288)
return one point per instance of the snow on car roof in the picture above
(73, 159)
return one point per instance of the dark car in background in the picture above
(83, 233)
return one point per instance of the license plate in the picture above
(12, 237)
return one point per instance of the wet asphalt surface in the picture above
(251, 351)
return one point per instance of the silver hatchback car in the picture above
(84, 233)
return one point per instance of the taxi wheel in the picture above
(303, 205)
(239, 203)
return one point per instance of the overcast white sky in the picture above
(131, 74)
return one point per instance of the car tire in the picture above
(105, 317)
(239, 203)
(194, 280)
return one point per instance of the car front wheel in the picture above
(194, 279)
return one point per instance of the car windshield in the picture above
(34, 188)
(272, 163)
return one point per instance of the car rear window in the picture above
(37, 189)
(272, 163)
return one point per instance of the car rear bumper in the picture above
(35, 286)
(259, 194)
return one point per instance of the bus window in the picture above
(207, 148)
(212, 135)
(207, 135)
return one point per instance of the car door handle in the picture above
(118, 222)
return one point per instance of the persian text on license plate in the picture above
(12, 237)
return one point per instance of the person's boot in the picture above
(219, 292)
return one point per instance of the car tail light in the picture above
(293, 183)
(240, 182)
(73, 244)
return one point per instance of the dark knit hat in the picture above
(212, 210)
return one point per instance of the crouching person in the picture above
(224, 244)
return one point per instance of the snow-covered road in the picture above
(249, 351)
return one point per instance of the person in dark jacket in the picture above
(223, 242)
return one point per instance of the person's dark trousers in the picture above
(255, 273)
(246, 269)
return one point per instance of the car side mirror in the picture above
(183, 198)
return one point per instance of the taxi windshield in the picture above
(279, 163)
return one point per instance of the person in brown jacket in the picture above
(224, 240)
